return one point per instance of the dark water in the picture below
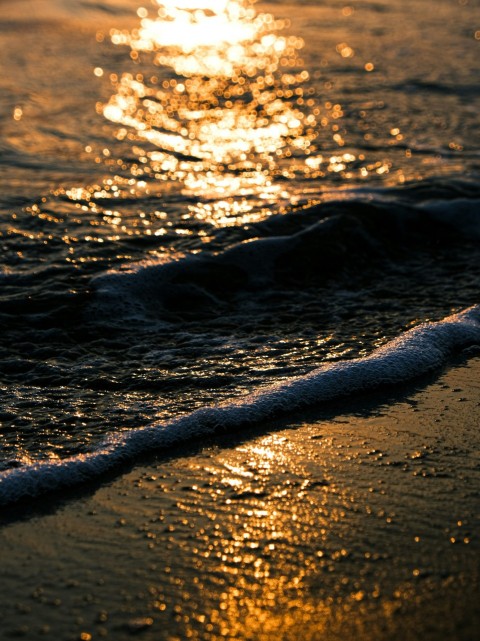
(197, 205)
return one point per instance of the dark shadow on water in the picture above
(358, 406)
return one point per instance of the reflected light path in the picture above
(226, 108)
(215, 109)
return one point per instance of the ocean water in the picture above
(212, 211)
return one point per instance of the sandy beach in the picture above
(356, 521)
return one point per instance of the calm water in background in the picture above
(139, 145)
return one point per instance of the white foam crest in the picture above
(414, 353)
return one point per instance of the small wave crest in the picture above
(333, 242)
(412, 354)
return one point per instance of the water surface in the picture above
(200, 199)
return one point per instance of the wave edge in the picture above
(412, 354)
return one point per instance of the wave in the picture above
(338, 241)
(412, 354)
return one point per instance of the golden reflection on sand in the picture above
(266, 508)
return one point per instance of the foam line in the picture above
(412, 354)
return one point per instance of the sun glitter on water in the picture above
(226, 106)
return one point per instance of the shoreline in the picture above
(414, 353)
(357, 524)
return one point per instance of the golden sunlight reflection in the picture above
(284, 508)
(226, 106)
(218, 107)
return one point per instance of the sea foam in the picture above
(416, 352)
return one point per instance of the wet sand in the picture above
(359, 521)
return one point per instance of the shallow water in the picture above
(338, 143)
